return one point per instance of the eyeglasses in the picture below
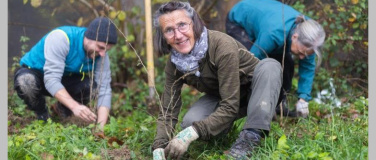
(302, 50)
(182, 28)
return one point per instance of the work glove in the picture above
(179, 144)
(158, 154)
(302, 108)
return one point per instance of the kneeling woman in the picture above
(236, 84)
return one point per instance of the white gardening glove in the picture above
(302, 108)
(179, 144)
(158, 154)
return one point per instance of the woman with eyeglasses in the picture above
(269, 28)
(236, 84)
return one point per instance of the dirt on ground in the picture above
(16, 122)
(122, 153)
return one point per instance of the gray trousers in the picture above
(262, 98)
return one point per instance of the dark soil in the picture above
(17, 122)
(122, 153)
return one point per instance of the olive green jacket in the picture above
(225, 72)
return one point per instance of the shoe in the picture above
(244, 145)
(285, 111)
(43, 116)
(60, 110)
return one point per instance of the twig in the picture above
(106, 5)
(210, 7)
(363, 88)
(120, 85)
(199, 6)
(90, 6)
(356, 79)
(140, 60)
(350, 80)
(284, 51)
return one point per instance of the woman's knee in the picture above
(201, 109)
(269, 65)
(190, 117)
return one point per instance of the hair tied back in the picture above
(300, 19)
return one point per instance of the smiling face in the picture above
(181, 42)
(95, 48)
(299, 49)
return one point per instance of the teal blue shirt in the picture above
(267, 26)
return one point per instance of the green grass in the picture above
(328, 133)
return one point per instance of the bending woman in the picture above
(269, 28)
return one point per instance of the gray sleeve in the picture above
(56, 49)
(103, 80)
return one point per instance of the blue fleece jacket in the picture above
(267, 26)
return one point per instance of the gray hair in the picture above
(311, 35)
(160, 43)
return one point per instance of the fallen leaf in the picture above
(333, 137)
(99, 135)
(352, 19)
(113, 139)
(318, 113)
(47, 156)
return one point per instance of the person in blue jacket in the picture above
(61, 65)
(269, 28)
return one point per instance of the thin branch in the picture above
(210, 7)
(123, 85)
(199, 6)
(356, 79)
(360, 86)
(284, 51)
(140, 60)
(106, 5)
(90, 6)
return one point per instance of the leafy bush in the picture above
(345, 23)
(330, 132)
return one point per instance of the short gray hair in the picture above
(160, 44)
(311, 35)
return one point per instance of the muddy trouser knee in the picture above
(238, 33)
(265, 89)
(201, 109)
(30, 88)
